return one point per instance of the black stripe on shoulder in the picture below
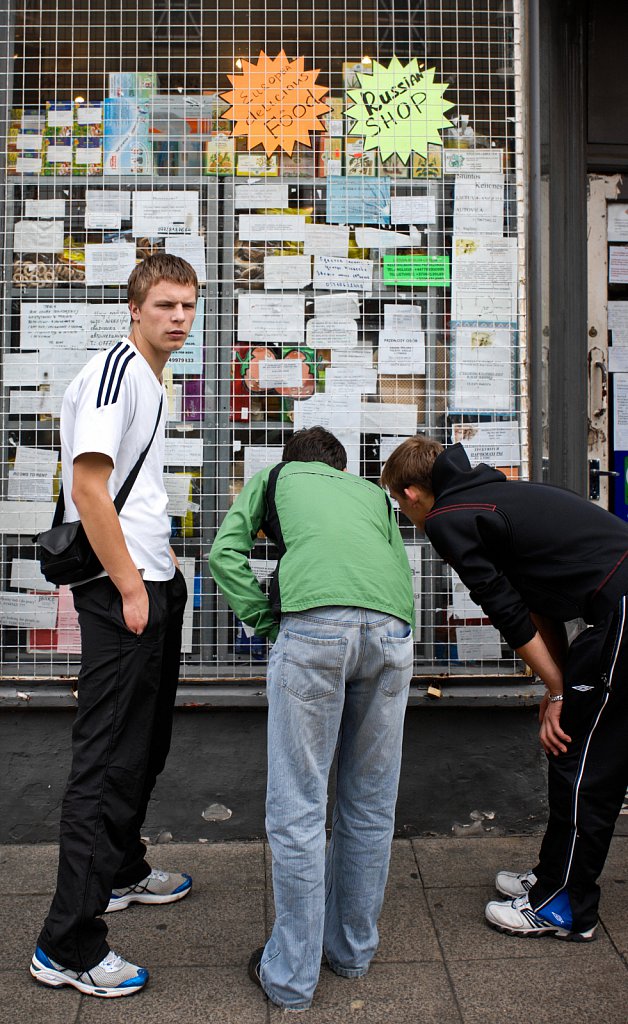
(113, 373)
(126, 362)
(103, 379)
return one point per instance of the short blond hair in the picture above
(160, 267)
(411, 464)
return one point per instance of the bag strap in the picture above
(125, 490)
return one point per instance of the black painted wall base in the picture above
(464, 770)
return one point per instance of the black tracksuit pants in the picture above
(120, 741)
(588, 783)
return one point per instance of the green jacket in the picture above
(337, 539)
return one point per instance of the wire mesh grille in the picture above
(364, 272)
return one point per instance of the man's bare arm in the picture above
(102, 526)
(536, 654)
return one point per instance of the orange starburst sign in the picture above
(276, 103)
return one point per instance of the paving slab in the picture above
(21, 918)
(197, 930)
(406, 931)
(616, 867)
(25, 1001)
(591, 989)
(473, 861)
(213, 866)
(614, 914)
(388, 994)
(29, 869)
(464, 934)
(213, 995)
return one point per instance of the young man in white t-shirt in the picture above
(130, 618)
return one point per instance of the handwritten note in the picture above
(334, 272)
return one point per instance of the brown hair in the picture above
(411, 464)
(160, 267)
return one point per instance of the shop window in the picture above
(348, 182)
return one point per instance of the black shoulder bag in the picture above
(64, 552)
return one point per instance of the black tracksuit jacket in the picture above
(524, 547)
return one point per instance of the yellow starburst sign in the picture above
(399, 109)
(276, 103)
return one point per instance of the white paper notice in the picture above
(28, 611)
(401, 353)
(183, 451)
(462, 607)
(618, 264)
(187, 566)
(38, 236)
(56, 367)
(351, 441)
(323, 332)
(343, 307)
(192, 249)
(109, 263)
(105, 210)
(333, 413)
(29, 485)
(620, 415)
(44, 208)
(479, 205)
(350, 380)
(494, 443)
(481, 161)
(402, 317)
(35, 403)
(413, 210)
(280, 227)
(352, 357)
(482, 370)
(257, 457)
(165, 213)
(617, 222)
(271, 318)
(52, 325)
(618, 317)
(68, 630)
(376, 238)
(261, 196)
(280, 373)
(333, 272)
(106, 323)
(414, 553)
(26, 575)
(387, 445)
(618, 359)
(326, 240)
(478, 643)
(287, 271)
(25, 517)
(389, 418)
(178, 490)
(262, 569)
(38, 460)
(484, 280)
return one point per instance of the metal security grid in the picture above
(112, 105)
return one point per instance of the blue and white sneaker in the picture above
(158, 887)
(516, 917)
(112, 977)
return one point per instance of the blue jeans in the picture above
(336, 676)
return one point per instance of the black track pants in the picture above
(588, 783)
(120, 741)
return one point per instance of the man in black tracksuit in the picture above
(534, 557)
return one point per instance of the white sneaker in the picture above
(516, 917)
(511, 884)
(112, 977)
(158, 887)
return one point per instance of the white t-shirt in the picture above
(111, 408)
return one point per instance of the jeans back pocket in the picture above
(398, 652)
(311, 667)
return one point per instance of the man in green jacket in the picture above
(340, 610)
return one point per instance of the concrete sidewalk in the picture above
(438, 962)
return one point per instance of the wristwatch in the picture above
(554, 698)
